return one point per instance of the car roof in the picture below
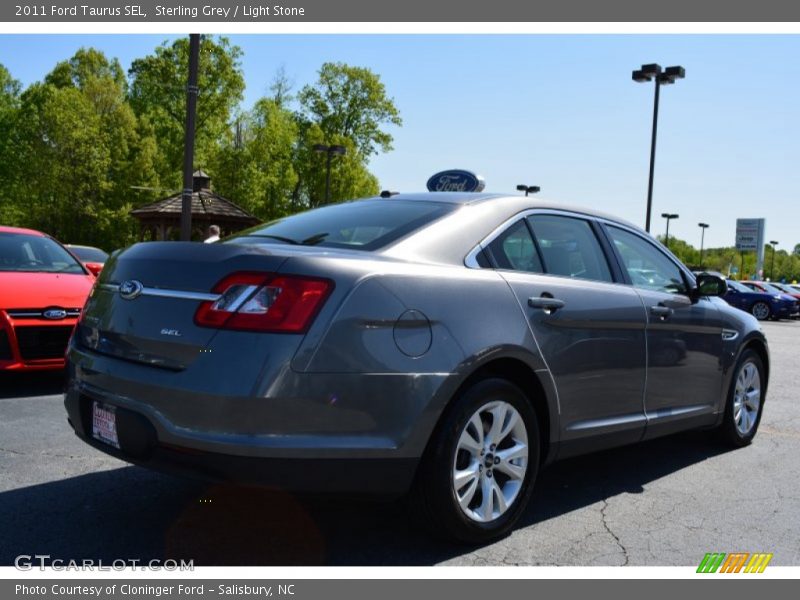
(5, 229)
(520, 201)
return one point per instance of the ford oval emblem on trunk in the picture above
(456, 180)
(55, 314)
(130, 289)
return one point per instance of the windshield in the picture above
(739, 287)
(361, 225)
(770, 288)
(89, 254)
(32, 253)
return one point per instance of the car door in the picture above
(684, 336)
(589, 329)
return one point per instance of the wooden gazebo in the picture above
(161, 220)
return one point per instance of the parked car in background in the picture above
(447, 344)
(787, 289)
(91, 257)
(758, 303)
(790, 301)
(42, 290)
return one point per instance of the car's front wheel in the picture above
(477, 475)
(745, 400)
(760, 310)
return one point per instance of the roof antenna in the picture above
(388, 194)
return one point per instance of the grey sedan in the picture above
(445, 344)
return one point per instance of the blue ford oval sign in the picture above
(456, 180)
(130, 289)
(55, 314)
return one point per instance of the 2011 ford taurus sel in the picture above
(448, 344)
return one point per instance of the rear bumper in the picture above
(329, 432)
(139, 444)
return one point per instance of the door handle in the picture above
(545, 303)
(662, 312)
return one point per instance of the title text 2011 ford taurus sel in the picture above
(449, 344)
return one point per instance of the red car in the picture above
(42, 290)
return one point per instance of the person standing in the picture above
(213, 234)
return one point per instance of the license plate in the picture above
(104, 424)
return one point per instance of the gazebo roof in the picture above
(206, 206)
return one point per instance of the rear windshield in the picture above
(35, 254)
(89, 254)
(360, 225)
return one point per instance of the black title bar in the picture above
(459, 11)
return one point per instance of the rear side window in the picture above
(361, 225)
(570, 247)
(647, 266)
(514, 249)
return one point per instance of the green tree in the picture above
(9, 109)
(351, 102)
(81, 148)
(350, 177)
(158, 95)
(254, 166)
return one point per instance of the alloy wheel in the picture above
(746, 398)
(760, 311)
(490, 462)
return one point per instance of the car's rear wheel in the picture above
(760, 310)
(745, 400)
(477, 475)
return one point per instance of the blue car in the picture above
(762, 305)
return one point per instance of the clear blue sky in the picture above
(559, 111)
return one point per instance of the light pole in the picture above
(665, 77)
(772, 243)
(330, 151)
(188, 141)
(668, 217)
(532, 189)
(703, 227)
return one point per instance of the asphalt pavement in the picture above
(665, 502)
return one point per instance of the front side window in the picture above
(570, 247)
(514, 249)
(647, 267)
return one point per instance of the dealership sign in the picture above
(456, 180)
(749, 235)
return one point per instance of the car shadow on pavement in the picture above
(28, 385)
(132, 513)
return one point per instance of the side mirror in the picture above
(710, 285)
(94, 268)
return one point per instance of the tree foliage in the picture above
(158, 94)
(82, 147)
(351, 102)
(730, 262)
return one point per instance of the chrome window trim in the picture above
(162, 293)
(471, 260)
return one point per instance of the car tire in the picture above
(467, 457)
(761, 311)
(745, 401)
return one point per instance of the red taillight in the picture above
(264, 302)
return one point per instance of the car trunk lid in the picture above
(143, 307)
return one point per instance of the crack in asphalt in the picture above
(9, 451)
(612, 534)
